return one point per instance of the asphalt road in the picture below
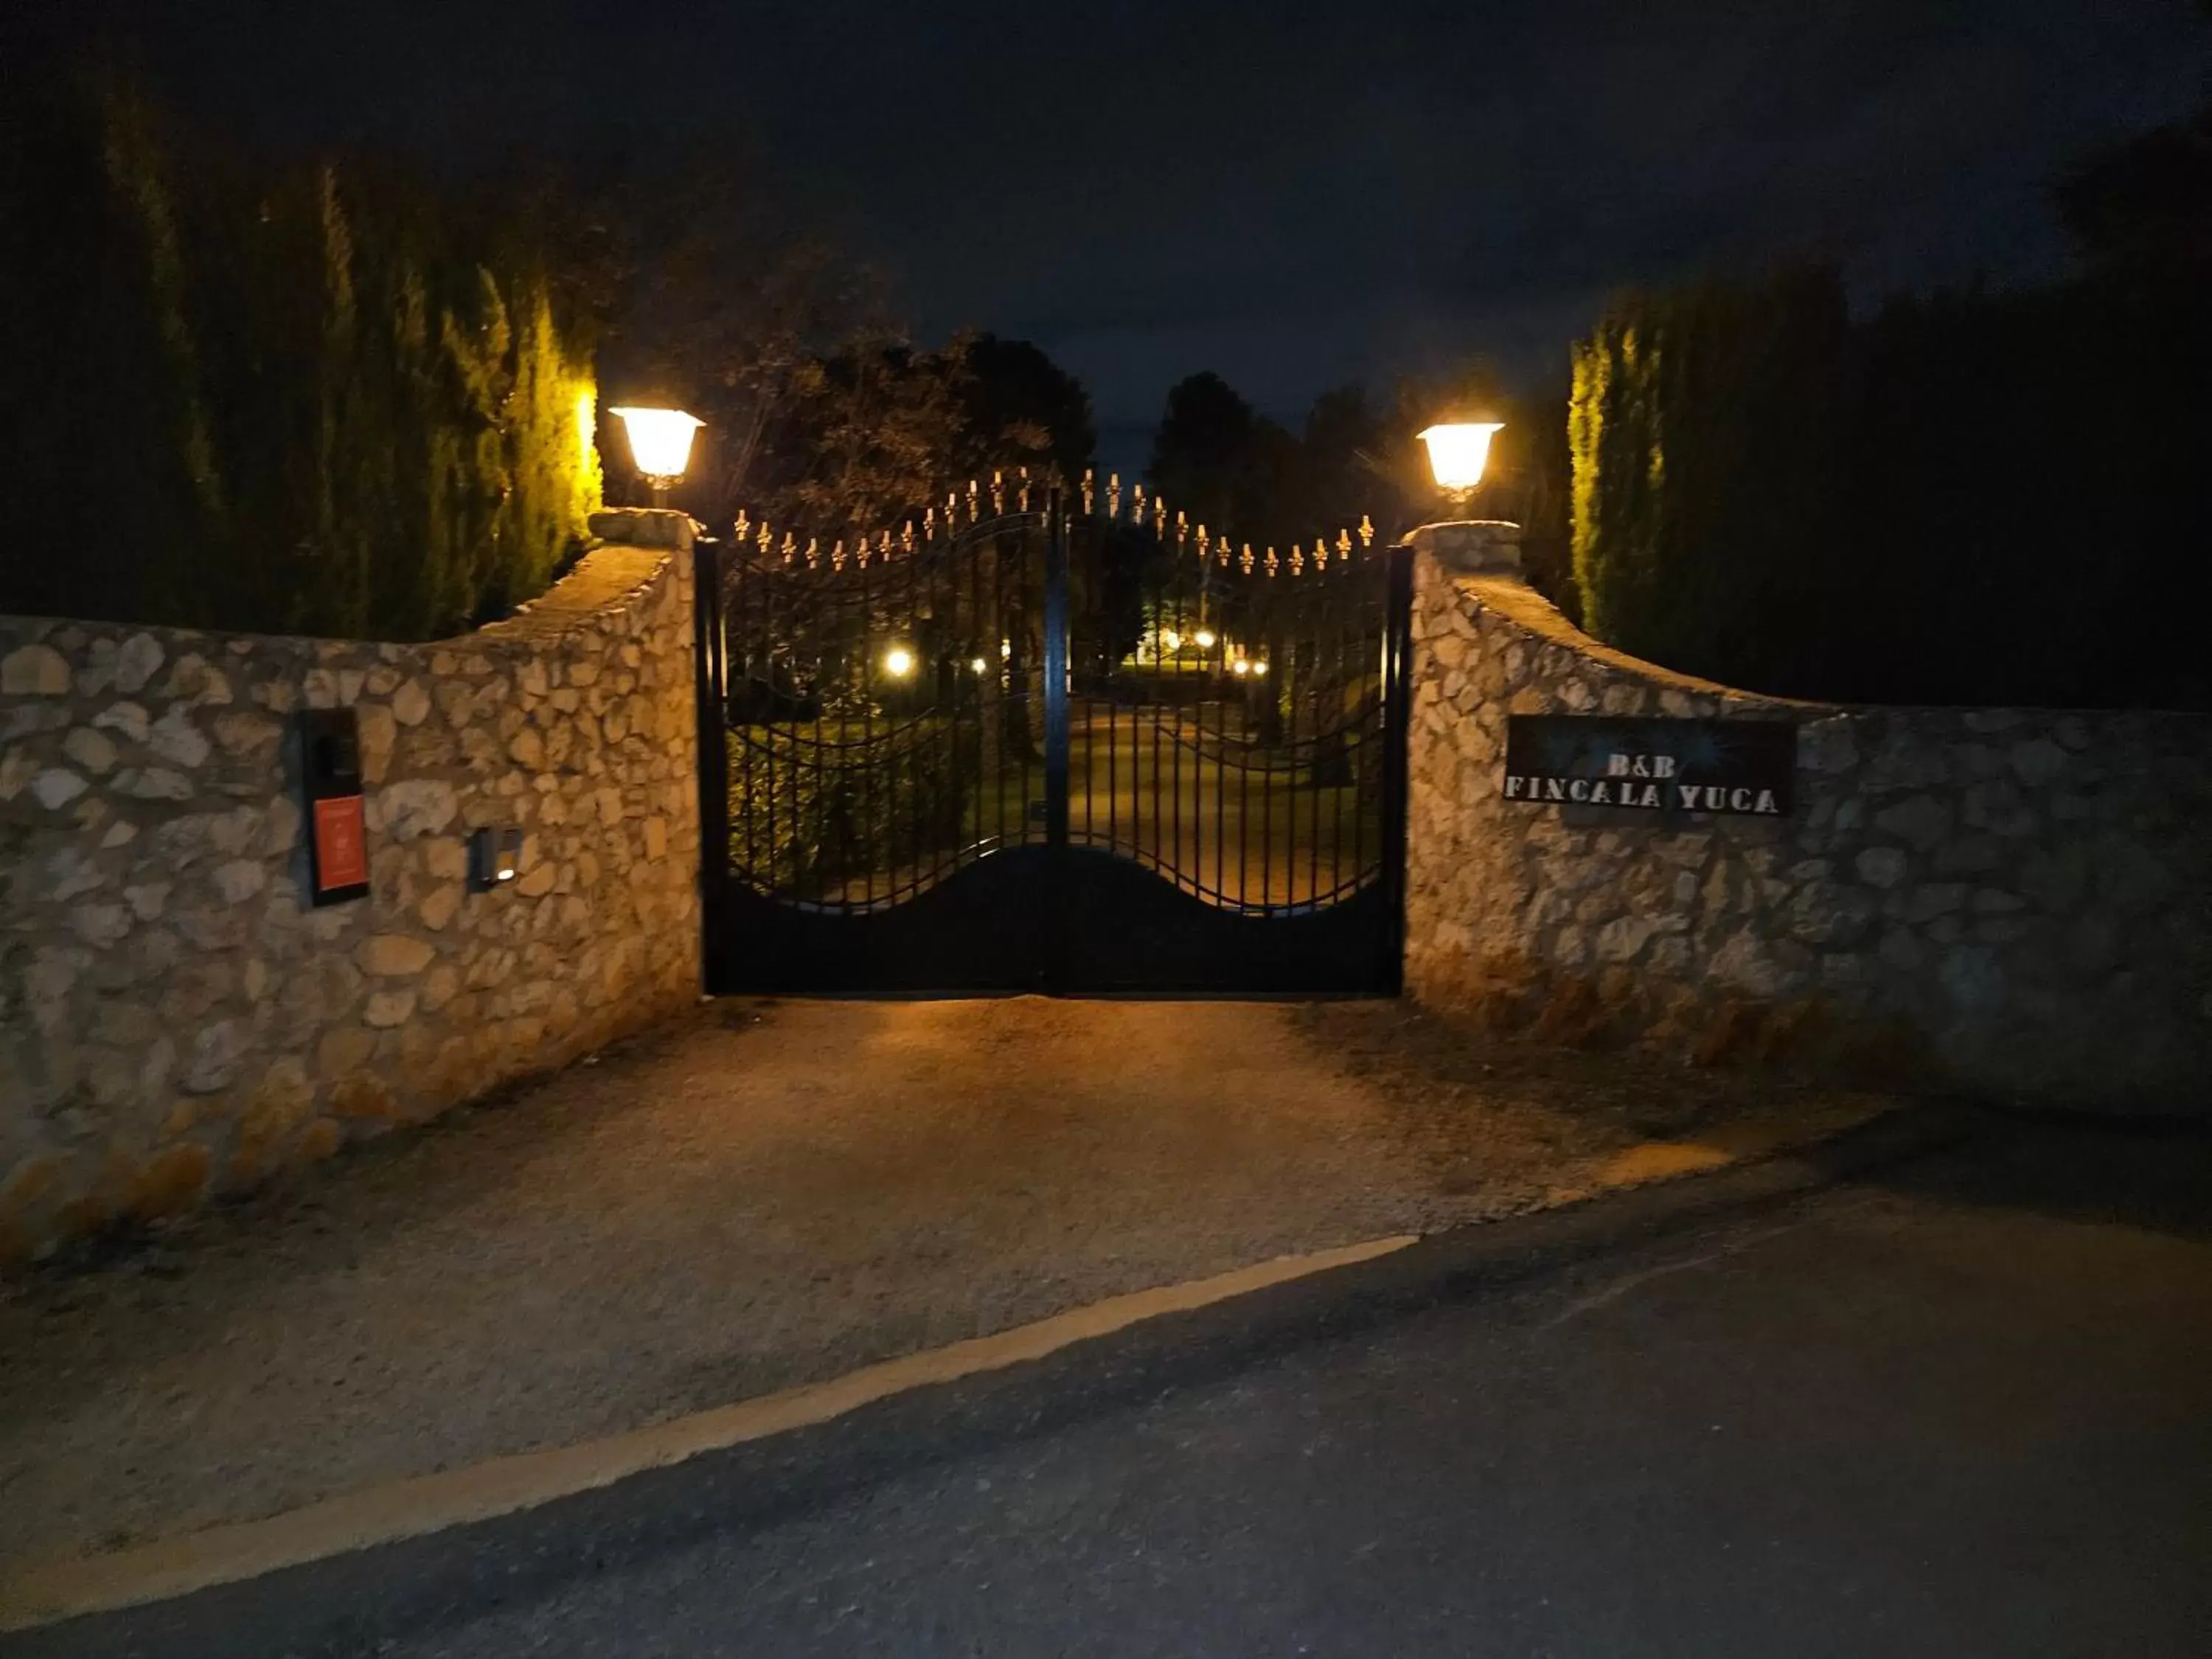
(1962, 1406)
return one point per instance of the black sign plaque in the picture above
(1657, 766)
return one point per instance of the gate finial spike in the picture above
(1113, 495)
(1272, 564)
(813, 553)
(1090, 481)
(739, 533)
(998, 490)
(1366, 531)
(1246, 562)
(837, 555)
(906, 536)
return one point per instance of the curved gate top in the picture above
(1036, 741)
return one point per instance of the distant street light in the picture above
(1203, 639)
(899, 662)
(660, 444)
(1458, 453)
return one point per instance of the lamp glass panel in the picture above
(659, 440)
(1458, 451)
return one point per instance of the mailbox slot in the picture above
(337, 834)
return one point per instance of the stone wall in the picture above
(2012, 902)
(176, 1020)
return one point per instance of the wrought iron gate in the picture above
(1037, 742)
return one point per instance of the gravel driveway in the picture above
(759, 1194)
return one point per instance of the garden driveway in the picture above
(763, 1194)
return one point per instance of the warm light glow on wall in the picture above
(659, 439)
(1458, 452)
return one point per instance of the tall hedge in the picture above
(302, 399)
(1978, 497)
(1703, 428)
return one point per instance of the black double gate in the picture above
(1037, 742)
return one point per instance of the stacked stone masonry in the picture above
(2015, 903)
(177, 1021)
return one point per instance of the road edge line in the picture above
(67, 1587)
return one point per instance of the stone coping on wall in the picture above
(1511, 598)
(2016, 901)
(177, 1020)
(606, 578)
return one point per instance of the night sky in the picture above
(1292, 195)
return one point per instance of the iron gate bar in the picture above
(1056, 679)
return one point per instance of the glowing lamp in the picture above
(660, 444)
(977, 666)
(1173, 642)
(1204, 638)
(1240, 667)
(1260, 667)
(1458, 451)
(898, 662)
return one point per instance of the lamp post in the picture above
(660, 444)
(1459, 453)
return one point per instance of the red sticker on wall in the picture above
(341, 844)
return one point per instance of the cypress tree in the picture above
(310, 401)
(1706, 430)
